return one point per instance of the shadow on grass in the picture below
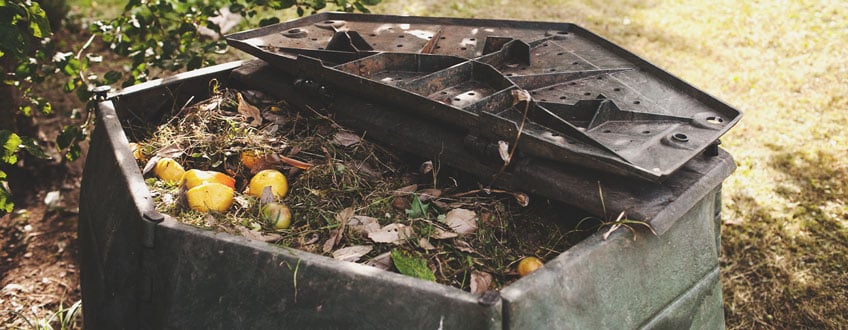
(787, 269)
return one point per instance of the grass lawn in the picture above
(783, 63)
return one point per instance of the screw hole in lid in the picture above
(680, 137)
(616, 89)
(637, 102)
(715, 120)
(607, 131)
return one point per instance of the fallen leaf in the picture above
(311, 240)
(368, 170)
(461, 221)
(424, 243)
(401, 203)
(383, 261)
(439, 233)
(464, 246)
(249, 111)
(346, 139)
(426, 167)
(330, 243)
(257, 235)
(364, 224)
(406, 190)
(412, 265)
(171, 151)
(296, 163)
(480, 281)
(352, 253)
(336, 235)
(520, 95)
(426, 195)
(503, 151)
(395, 233)
(522, 199)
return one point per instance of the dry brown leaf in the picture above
(296, 163)
(522, 199)
(461, 221)
(257, 235)
(383, 261)
(330, 243)
(464, 246)
(368, 170)
(424, 243)
(405, 191)
(401, 203)
(520, 95)
(346, 139)
(395, 233)
(364, 224)
(429, 194)
(171, 151)
(426, 167)
(503, 151)
(439, 233)
(336, 235)
(249, 111)
(480, 281)
(352, 253)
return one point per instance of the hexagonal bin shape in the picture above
(141, 269)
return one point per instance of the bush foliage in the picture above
(159, 35)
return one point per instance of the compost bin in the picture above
(588, 113)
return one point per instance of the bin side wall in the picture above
(109, 229)
(215, 280)
(620, 282)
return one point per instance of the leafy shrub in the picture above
(164, 35)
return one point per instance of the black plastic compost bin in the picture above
(143, 269)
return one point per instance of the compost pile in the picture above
(342, 196)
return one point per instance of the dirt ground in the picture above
(39, 270)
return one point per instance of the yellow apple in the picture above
(268, 178)
(210, 196)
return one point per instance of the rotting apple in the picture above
(211, 196)
(278, 215)
(169, 170)
(195, 177)
(136, 152)
(268, 178)
(529, 265)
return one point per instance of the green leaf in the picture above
(72, 68)
(69, 139)
(412, 265)
(6, 204)
(32, 147)
(417, 209)
(39, 26)
(268, 21)
(112, 77)
(370, 2)
(11, 143)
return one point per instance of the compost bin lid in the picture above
(572, 96)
